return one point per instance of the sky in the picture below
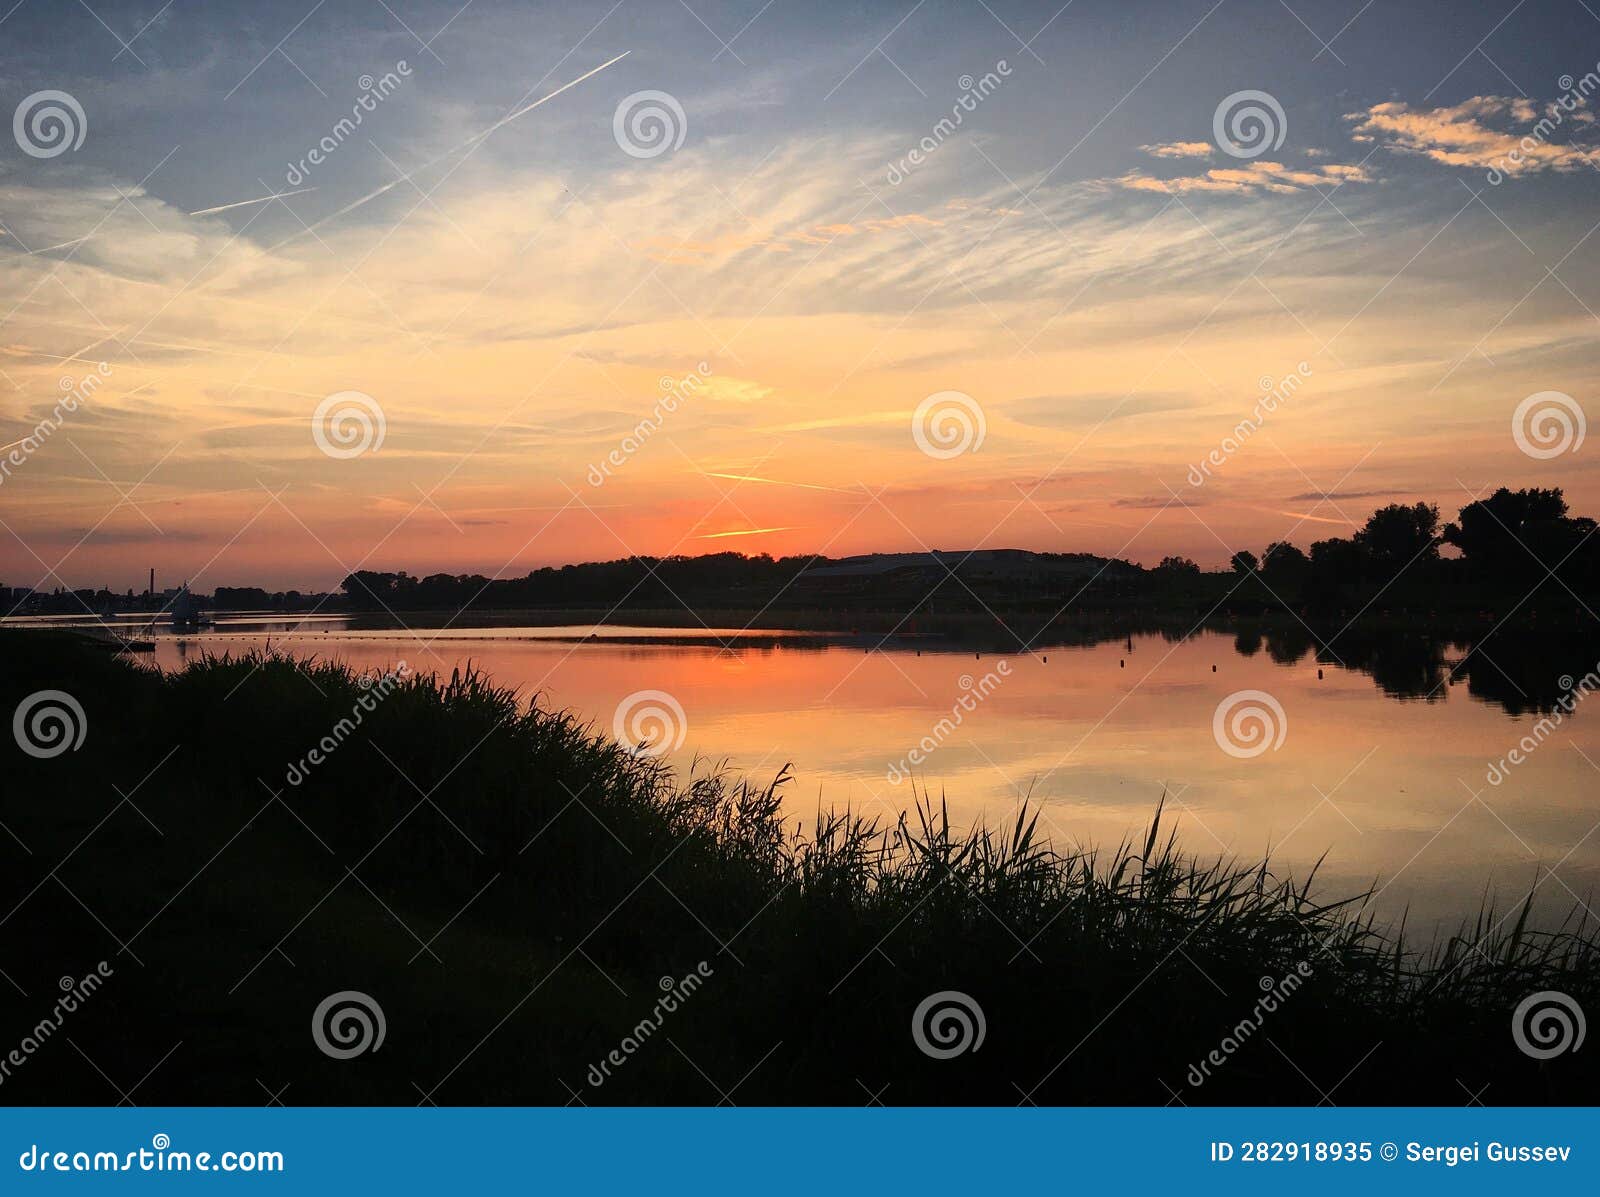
(589, 281)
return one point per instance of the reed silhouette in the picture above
(511, 886)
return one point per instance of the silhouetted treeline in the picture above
(634, 581)
(1511, 541)
(89, 601)
(1513, 546)
(254, 598)
(906, 583)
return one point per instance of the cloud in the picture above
(1053, 411)
(1249, 178)
(1312, 496)
(1461, 135)
(1179, 149)
(1158, 502)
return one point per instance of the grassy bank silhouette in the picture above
(516, 892)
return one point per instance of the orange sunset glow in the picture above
(682, 554)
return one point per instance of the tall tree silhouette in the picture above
(1396, 537)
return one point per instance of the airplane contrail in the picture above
(744, 532)
(202, 212)
(777, 482)
(246, 203)
(474, 139)
(64, 244)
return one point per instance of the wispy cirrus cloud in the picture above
(1249, 178)
(1312, 496)
(1466, 134)
(1179, 149)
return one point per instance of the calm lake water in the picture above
(1382, 770)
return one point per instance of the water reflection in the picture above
(1384, 766)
